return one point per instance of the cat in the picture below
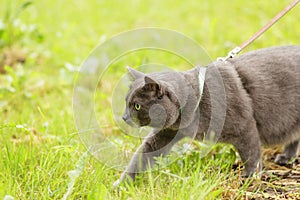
(260, 99)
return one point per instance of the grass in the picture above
(39, 143)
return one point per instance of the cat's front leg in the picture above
(156, 144)
(247, 143)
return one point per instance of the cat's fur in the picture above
(262, 106)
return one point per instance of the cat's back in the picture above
(271, 77)
(277, 61)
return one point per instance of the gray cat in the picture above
(258, 91)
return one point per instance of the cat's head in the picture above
(149, 102)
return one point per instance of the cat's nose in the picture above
(125, 117)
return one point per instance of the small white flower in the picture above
(2, 25)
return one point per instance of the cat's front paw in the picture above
(255, 175)
(125, 178)
(116, 184)
(282, 159)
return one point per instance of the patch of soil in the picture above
(277, 182)
(11, 56)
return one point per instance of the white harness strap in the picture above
(201, 79)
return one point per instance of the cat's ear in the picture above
(152, 85)
(134, 73)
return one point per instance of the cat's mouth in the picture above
(129, 121)
(133, 123)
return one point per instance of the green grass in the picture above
(39, 143)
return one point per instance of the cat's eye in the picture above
(137, 106)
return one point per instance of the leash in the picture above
(238, 49)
